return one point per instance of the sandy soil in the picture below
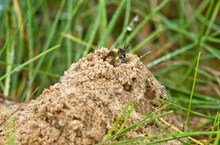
(83, 105)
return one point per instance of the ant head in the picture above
(125, 47)
(122, 53)
(123, 50)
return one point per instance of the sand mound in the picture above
(83, 105)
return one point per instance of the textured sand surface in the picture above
(83, 105)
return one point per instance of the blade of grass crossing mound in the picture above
(106, 137)
(127, 117)
(112, 23)
(146, 19)
(143, 121)
(192, 92)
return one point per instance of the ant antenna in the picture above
(126, 46)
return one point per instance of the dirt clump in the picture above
(83, 105)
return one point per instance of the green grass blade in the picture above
(111, 24)
(46, 46)
(143, 121)
(213, 17)
(199, 40)
(149, 118)
(9, 56)
(180, 135)
(196, 95)
(103, 12)
(185, 109)
(212, 50)
(31, 41)
(73, 8)
(162, 138)
(212, 39)
(202, 29)
(213, 127)
(146, 19)
(168, 24)
(146, 40)
(217, 139)
(106, 137)
(122, 35)
(170, 55)
(192, 92)
(18, 68)
(127, 117)
(92, 32)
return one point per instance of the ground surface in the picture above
(83, 105)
